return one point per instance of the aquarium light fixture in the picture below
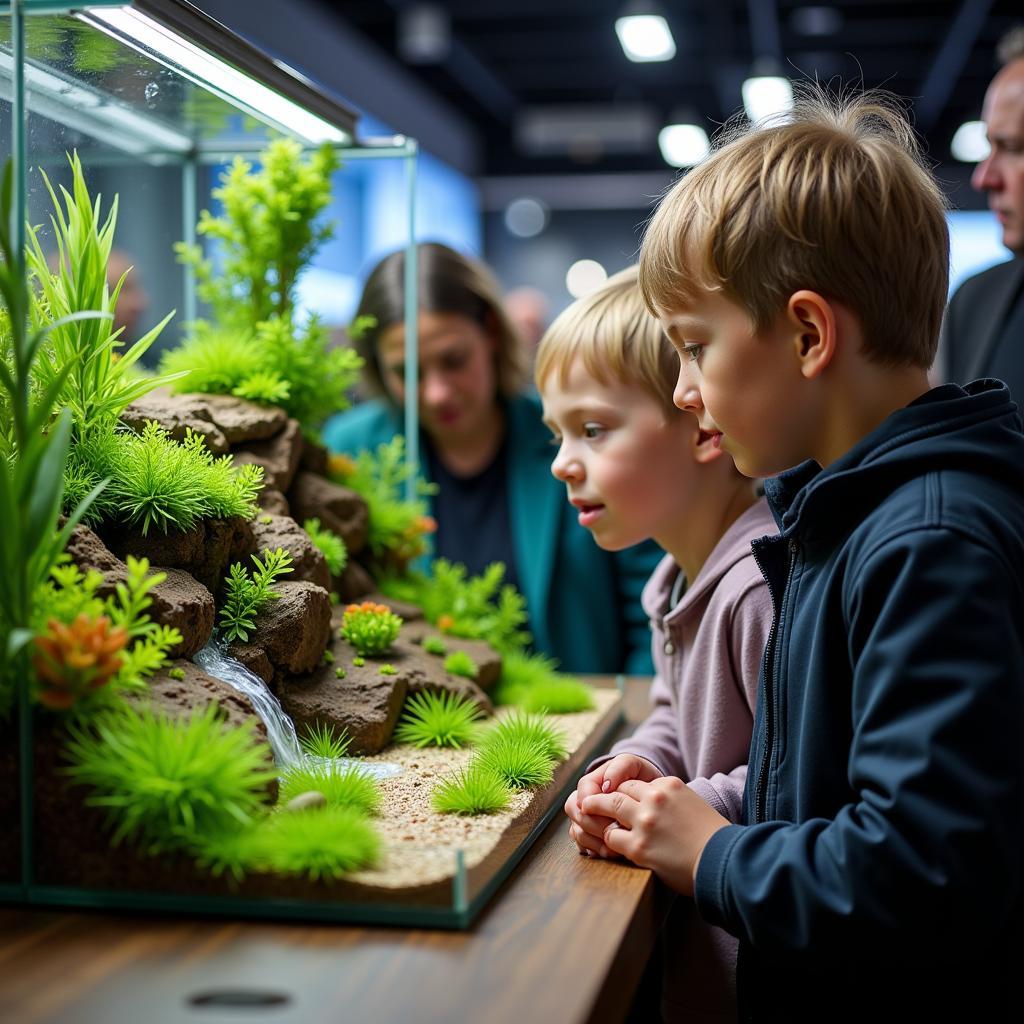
(92, 113)
(154, 40)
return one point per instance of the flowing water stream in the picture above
(284, 742)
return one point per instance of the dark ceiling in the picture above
(508, 60)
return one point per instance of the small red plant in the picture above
(72, 661)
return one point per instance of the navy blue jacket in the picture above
(880, 869)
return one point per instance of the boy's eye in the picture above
(592, 431)
(693, 352)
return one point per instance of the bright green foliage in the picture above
(164, 780)
(434, 645)
(472, 790)
(358, 662)
(340, 673)
(331, 546)
(517, 761)
(268, 232)
(176, 673)
(370, 628)
(327, 842)
(79, 358)
(70, 593)
(438, 720)
(530, 729)
(532, 682)
(558, 697)
(477, 607)
(397, 527)
(266, 520)
(155, 481)
(267, 235)
(459, 663)
(342, 785)
(388, 670)
(328, 657)
(35, 435)
(320, 740)
(246, 594)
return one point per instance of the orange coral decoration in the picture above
(72, 660)
(445, 622)
(367, 606)
(340, 466)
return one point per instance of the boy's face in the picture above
(743, 387)
(629, 471)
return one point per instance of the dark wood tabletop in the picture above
(565, 940)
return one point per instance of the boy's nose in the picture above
(565, 468)
(686, 395)
(436, 389)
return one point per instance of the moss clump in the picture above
(532, 682)
(473, 790)
(342, 786)
(434, 645)
(330, 545)
(529, 729)
(459, 663)
(388, 670)
(517, 761)
(176, 673)
(340, 673)
(438, 720)
(370, 628)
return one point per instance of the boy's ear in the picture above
(812, 319)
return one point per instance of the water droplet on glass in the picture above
(151, 91)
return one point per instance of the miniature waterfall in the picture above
(281, 735)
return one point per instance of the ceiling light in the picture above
(152, 39)
(584, 277)
(526, 217)
(645, 37)
(424, 34)
(683, 145)
(767, 97)
(970, 143)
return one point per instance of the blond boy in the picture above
(801, 275)
(636, 467)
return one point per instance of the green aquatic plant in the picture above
(247, 594)
(176, 673)
(532, 730)
(438, 720)
(532, 682)
(459, 663)
(434, 645)
(340, 673)
(398, 527)
(342, 786)
(475, 607)
(388, 670)
(164, 780)
(369, 627)
(35, 436)
(471, 790)
(517, 761)
(80, 358)
(320, 740)
(331, 546)
(326, 842)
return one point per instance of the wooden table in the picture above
(566, 940)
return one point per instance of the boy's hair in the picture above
(615, 336)
(836, 199)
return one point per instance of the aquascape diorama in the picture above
(231, 680)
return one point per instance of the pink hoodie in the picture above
(707, 658)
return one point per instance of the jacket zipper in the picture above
(761, 792)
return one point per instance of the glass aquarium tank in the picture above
(223, 688)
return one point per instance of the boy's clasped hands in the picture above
(626, 807)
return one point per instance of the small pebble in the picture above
(306, 801)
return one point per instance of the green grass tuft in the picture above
(320, 740)
(325, 843)
(459, 663)
(532, 682)
(472, 790)
(434, 645)
(342, 785)
(558, 697)
(166, 780)
(438, 720)
(517, 761)
(331, 546)
(530, 729)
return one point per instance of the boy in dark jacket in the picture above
(801, 274)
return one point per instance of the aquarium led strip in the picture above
(154, 40)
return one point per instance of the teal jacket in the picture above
(583, 603)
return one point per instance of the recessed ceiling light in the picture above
(683, 145)
(584, 277)
(645, 37)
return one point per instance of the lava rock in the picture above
(295, 629)
(240, 420)
(87, 551)
(485, 657)
(226, 541)
(273, 501)
(278, 455)
(253, 657)
(339, 509)
(308, 563)
(177, 414)
(407, 611)
(314, 457)
(183, 602)
(353, 584)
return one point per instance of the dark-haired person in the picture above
(483, 443)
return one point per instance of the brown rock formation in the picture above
(339, 509)
(308, 563)
(278, 455)
(294, 630)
